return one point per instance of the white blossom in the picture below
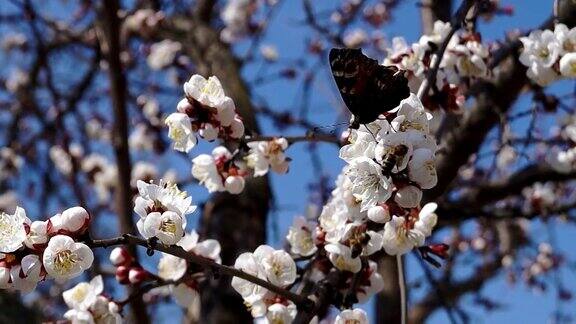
(180, 132)
(341, 257)
(204, 169)
(64, 259)
(281, 314)
(400, 235)
(38, 235)
(207, 92)
(84, 294)
(162, 54)
(217, 172)
(356, 316)
(184, 295)
(25, 276)
(369, 185)
(300, 237)
(269, 52)
(379, 214)
(74, 219)
(566, 38)
(266, 155)
(162, 210)
(408, 197)
(167, 226)
(236, 17)
(13, 230)
(355, 38)
(249, 291)
(568, 65)
(208, 248)
(422, 168)
(234, 184)
(540, 47)
(279, 267)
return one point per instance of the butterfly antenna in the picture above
(369, 131)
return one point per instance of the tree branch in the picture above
(493, 98)
(513, 185)
(207, 264)
(118, 89)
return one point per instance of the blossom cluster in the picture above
(225, 171)
(162, 209)
(206, 111)
(31, 252)
(178, 270)
(274, 266)
(560, 158)
(88, 304)
(549, 55)
(219, 171)
(162, 54)
(465, 59)
(376, 203)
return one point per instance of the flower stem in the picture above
(402, 285)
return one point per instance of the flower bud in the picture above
(120, 256)
(184, 107)
(137, 275)
(38, 235)
(379, 214)
(408, 197)
(122, 275)
(75, 219)
(237, 128)
(234, 185)
(54, 224)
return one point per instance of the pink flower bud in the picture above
(137, 275)
(184, 107)
(75, 219)
(122, 275)
(237, 128)
(120, 256)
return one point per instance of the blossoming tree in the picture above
(110, 110)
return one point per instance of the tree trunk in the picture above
(238, 222)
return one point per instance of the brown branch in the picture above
(455, 25)
(432, 11)
(204, 10)
(513, 185)
(311, 137)
(118, 89)
(454, 214)
(225, 217)
(207, 264)
(493, 98)
(453, 291)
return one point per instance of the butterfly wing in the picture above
(367, 88)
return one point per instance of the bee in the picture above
(359, 245)
(390, 159)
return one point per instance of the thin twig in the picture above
(311, 137)
(208, 264)
(402, 284)
(456, 23)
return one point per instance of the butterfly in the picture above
(367, 88)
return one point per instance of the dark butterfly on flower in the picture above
(367, 88)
